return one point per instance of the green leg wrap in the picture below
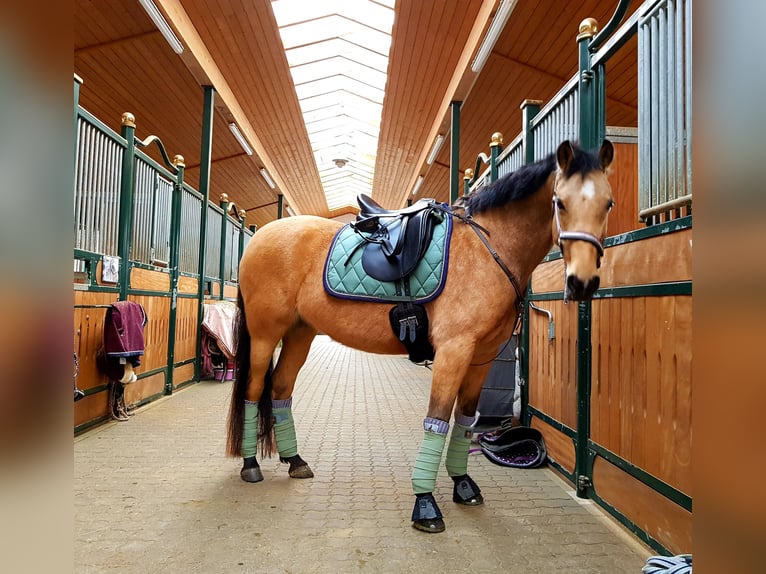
(284, 431)
(427, 463)
(457, 451)
(250, 434)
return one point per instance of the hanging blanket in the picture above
(219, 319)
(345, 278)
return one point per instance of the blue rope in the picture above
(681, 564)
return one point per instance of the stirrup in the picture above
(426, 515)
(466, 491)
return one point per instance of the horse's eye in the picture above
(609, 205)
(559, 204)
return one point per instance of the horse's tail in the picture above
(239, 394)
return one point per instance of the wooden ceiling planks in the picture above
(127, 66)
(428, 41)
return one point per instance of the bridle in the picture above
(574, 235)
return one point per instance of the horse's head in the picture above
(582, 199)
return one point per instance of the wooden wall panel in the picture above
(183, 374)
(653, 260)
(662, 519)
(641, 383)
(143, 388)
(230, 291)
(552, 364)
(559, 446)
(660, 259)
(89, 336)
(548, 276)
(186, 329)
(623, 177)
(90, 408)
(188, 284)
(148, 280)
(155, 332)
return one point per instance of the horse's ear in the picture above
(606, 154)
(564, 155)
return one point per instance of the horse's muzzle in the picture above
(577, 290)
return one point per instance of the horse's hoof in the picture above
(466, 491)
(251, 474)
(301, 472)
(429, 525)
(298, 467)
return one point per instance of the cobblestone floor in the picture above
(156, 493)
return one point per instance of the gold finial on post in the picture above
(224, 198)
(588, 29)
(468, 174)
(497, 139)
(178, 160)
(242, 214)
(128, 119)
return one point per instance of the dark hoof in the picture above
(466, 491)
(298, 467)
(429, 525)
(251, 472)
(426, 515)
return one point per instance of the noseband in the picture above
(576, 235)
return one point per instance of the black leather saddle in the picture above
(396, 240)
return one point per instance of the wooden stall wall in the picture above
(640, 384)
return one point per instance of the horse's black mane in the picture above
(528, 179)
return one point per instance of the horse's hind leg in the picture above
(296, 344)
(259, 374)
(465, 491)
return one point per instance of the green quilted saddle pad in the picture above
(344, 276)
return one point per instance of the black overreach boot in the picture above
(466, 491)
(426, 515)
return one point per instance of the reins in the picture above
(484, 234)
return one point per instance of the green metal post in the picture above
(495, 148)
(586, 85)
(529, 109)
(242, 217)
(206, 154)
(175, 257)
(224, 221)
(280, 206)
(454, 155)
(128, 132)
(467, 177)
(77, 83)
(588, 139)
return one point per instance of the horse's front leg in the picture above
(449, 369)
(465, 490)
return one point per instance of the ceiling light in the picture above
(268, 179)
(339, 162)
(162, 25)
(418, 183)
(240, 138)
(497, 25)
(435, 149)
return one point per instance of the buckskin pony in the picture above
(500, 234)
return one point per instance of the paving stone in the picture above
(157, 493)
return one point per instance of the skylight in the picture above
(338, 56)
